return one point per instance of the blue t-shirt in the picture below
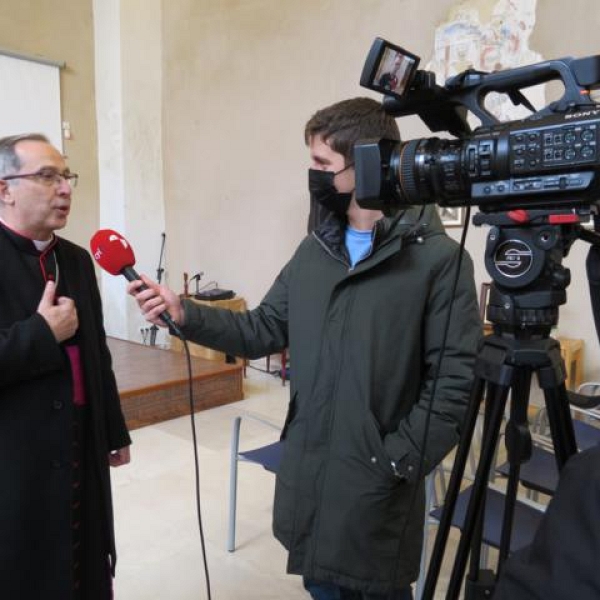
(358, 244)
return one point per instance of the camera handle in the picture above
(522, 316)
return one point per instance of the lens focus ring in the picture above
(406, 171)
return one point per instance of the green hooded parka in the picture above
(365, 345)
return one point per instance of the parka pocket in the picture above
(376, 446)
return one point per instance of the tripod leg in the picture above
(476, 547)
(518, 445)
(478, 491)
(552, 382)
(561, 424)
(462, 454)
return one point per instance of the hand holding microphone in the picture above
(155, 300)
(159, 304)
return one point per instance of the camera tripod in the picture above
(528, 285)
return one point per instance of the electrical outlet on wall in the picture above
(66, 129)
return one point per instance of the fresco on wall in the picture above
(488, 35)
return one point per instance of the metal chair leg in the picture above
(233, 471)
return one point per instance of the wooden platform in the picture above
(153, 382)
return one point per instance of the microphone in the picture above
(114, 254)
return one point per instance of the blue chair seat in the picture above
(586, 435)
(526, 520)
(268, 456)
(540, 472)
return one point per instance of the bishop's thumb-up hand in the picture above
(60, 313)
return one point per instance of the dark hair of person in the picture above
(341, 125)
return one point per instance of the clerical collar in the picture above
(25, 243)
(41, 246)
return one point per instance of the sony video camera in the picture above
(549, 160)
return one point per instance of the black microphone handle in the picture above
(131, 275)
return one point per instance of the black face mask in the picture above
(323, 190)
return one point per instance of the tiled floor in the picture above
(158, 541)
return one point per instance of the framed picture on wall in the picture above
(452, 216)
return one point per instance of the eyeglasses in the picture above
(47, 176)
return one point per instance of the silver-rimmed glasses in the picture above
(47, 176)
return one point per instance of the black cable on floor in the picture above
(196, 464)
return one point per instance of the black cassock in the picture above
(56, 520)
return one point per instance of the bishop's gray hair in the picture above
(9, 161)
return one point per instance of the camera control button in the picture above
(588, 135)
(588, 152)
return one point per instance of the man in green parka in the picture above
(362, 306)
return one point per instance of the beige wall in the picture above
(129, 112)
(241, 79)
(63, 31)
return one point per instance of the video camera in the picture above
(535, 180)
(549, 160)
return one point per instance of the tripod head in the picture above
(524, 253)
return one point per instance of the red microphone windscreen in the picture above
(111, 251)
